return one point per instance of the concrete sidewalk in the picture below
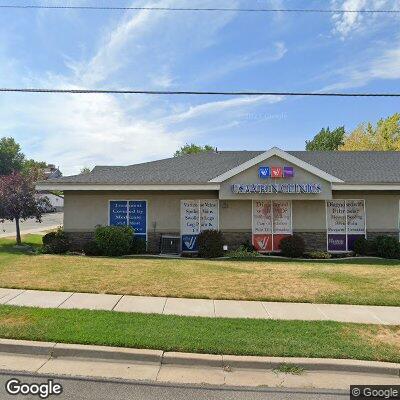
(203, 307)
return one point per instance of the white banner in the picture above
(262, 217)
(336, 216)
(355, 216)
(190, 217)
(209, 215)
(282, 217)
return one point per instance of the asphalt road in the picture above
(49, 221)
(88, 389)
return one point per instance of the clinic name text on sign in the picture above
(290, 188)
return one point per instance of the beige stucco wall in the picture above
(250, 176)
(84, 210)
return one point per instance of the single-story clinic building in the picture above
(329, 198)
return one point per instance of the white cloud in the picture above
(83, 130)
(346, 23)
(384, 64)
(272, 53)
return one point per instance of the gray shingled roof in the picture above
(351, 167)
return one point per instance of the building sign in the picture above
(272, 221)
(197, 216)
(287, 188)
(131, 213)
(275, 172)
(345, 223)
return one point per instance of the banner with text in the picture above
(272, 221)
(345, 223)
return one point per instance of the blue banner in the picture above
(138, 216)
(189, 243)
(118, 213)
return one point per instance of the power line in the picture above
(263, 10)
(190, 92)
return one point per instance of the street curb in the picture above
(61, 350)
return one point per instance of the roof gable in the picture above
(275, 151)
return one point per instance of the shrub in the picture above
(210, 244)
(56, 242)
(243, 252)
(138, 245)
(248, 246)
(387, 247)
(292, 246)
(113, 240)
(91, 248)
(365, 247)
(318, 255)
(48, 238)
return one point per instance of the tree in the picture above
(193, 149)
(326, 140)
(18, 200)
(385, 135)
(84, 170)
(11, 158)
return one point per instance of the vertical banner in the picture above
(118, 213)
(138, 217)
(190, 224)
(209, 216)
(336, 225)
(282, 221)
(356, 228)
(262, 225)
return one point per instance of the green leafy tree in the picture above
(84, 170)
(326, 140)
(18, 200)
(11, 157)
(384, 136)
(193, 149)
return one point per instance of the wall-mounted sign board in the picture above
(197, 216)
(131, 213)
(345, 223)
(271, 222)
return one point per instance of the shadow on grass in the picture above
(8, 245)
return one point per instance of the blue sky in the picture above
(183, 51)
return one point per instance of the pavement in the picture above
(40, 360)
(49, 221)
(202, 307)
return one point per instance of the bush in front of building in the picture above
(138, 245)
(387, 247)
(318, 255)
(292, 246)
(91, 248)
(114, 240)
(56, 242)
(210, 244)
(365, 247)
(243, 252)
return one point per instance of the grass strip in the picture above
(323, 339)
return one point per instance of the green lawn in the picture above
(203, 335)
(357, 281)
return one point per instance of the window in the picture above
(197, 216)
(345, 223)
(129, 213)
(271, 222)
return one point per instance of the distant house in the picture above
(56, 200)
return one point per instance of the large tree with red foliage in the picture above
(18, 200)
